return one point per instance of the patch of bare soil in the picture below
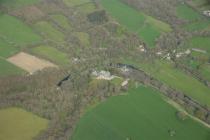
(29, 62)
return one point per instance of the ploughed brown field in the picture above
(29, 62)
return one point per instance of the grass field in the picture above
(140, 115)
(73, 3)
(7, 68)
(49, 32)
(201, 4)
(166, 73)
(17, 3)
(87, 8)
(196, 64)
(83, 38)
(198, 25)
(17, 124)
(187, 13)
(62, 21)
(148, 28)
(205, 71)
(198, 22)
(117, 81)
(16, 32)
(199, 43)
(7, 50)
(52, 54)
(200, 61)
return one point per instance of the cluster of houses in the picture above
(106, 75)
(179, 54)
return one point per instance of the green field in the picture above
(148, 28)
(83, 38)
(7, 68)
(7, 50)
(205, 71)
(17, 3)
(16, 32)
(117, 81)
(187, 13)
(73, 3)
(87, 8)
(196, 19)
(140, 115)
(196, 64)
(200, 59)
(17, 124)
(175, 78)
(198, 25)
(51, 54)
(49, 32)
(199, 43)
(201, 4)
(62, 21)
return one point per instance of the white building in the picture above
(206, 13)
(105, 75)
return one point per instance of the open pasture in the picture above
(187, 13)
(196, 19)
(7, 68)
(6, 49)
(49, 32)
(16, 32)
(166, 72)
(18, 3)
(30, 63)
(140, 115)
(203, 24)
(87, 8)
(147, 27)
(17, 124)
(52, 54)
(83, 38)
(205, 71)
(201, 4)
(198, 42)
(61, 21)
(72, 3)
